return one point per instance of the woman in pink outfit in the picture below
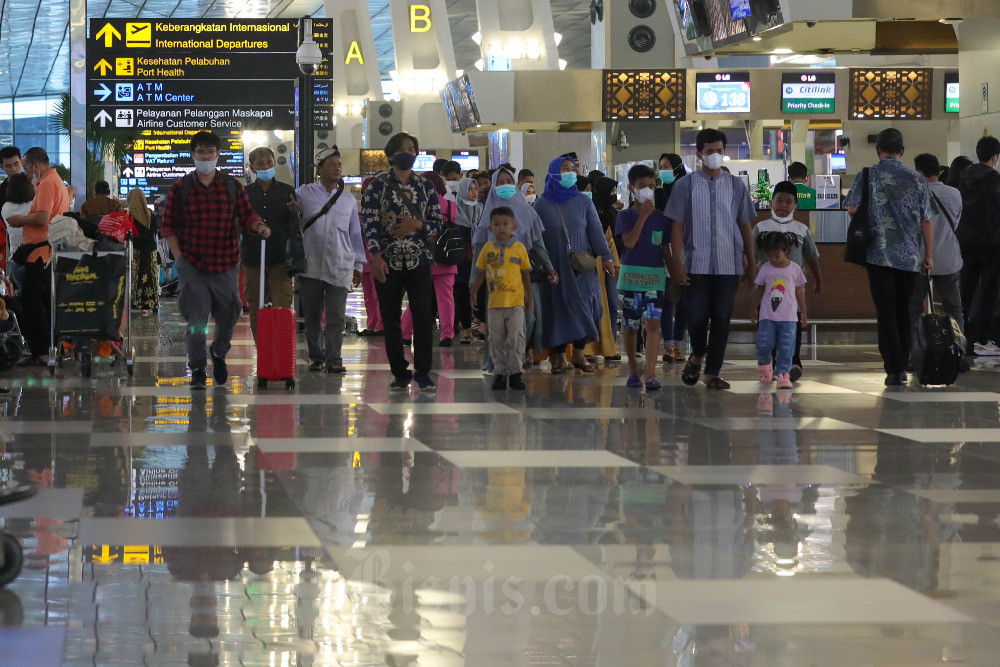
(373, 325)
(443, 274)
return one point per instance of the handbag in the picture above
(450, 247)
(859, 232)
(581, 261)
(295, 249)
(538, 274)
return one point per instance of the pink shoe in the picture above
(765, 373)
(784, 382)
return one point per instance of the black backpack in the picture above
(450, 248)
(979, 229)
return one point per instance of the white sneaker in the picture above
(990, 349)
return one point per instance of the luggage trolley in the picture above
(11, 553)
(91, 304)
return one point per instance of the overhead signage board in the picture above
(808, 92)
(723, 92)
(952, 100)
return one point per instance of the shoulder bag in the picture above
(581, 261)
(947, 216)
(295, 250)
(859, 232)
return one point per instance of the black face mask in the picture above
(403, 161)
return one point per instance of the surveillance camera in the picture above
(308, 57)
(709, 56)
(810, 24)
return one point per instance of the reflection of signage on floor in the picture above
(139, 554)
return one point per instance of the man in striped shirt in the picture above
(711, 247)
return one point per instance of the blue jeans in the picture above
(673, 324)
(778, 336)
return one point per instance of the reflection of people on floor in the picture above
(334, 498)
(710, 531)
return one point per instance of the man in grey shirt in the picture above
(946, 204)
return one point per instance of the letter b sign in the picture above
(420, 18)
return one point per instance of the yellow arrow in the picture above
(109, 33)
(103, 65)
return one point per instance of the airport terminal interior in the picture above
(585, 520)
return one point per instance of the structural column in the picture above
(355, 67)
(425, 62)
(78, 98)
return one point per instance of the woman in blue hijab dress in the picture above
(573, 307)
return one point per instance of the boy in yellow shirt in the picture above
(505, 267)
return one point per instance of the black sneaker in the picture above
(198, 378)
(516, 382)
(445, 342)
(316, 366)
(424, 381)
(220, 372)
(401, 383)
(499, 382)
(795, 373)
(407, 342)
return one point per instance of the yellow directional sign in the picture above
(139, 35)
(109, 34)
(103, 66)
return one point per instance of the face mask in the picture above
(667, 176)
(265, 174)
(588, 195)
(530, 198)
(644, 195)
(451, 186)
(568, 180)
(205, 166)
(786, 219)
(403, 161)
(35, 180)
(505, 191)
(470, 202)
(713, 161)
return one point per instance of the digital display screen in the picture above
(424, 162)
(723, 92)
(808, 92)
(838, 162)
(466, 159)
(460, 104)
(688, 25)
(740, 9)
(952, 101)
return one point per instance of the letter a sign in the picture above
(420, 18)
(354, 53)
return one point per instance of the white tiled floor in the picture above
(537, 459)
(945, 434)
(200, 532)
(47, 503)
(958, 495)
(441, 408)
(760, 475)
(803, 387)
(595, 413)
(776, 423)
(321, 445)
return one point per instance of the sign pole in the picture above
(305, 129)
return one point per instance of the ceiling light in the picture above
(951, 21)
(558, 37)
(534, 50)
(477, 37)
(459, 73)
(562, 64)
(479, 64)
(782, 52)
(757, 38)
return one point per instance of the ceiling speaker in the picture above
(641, 38)
(642, 9)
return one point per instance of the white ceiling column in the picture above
(355, 67)
(425, 62)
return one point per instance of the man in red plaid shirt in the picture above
(203, 233)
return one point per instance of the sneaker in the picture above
(764, 373)
(220, 372)
(795, 373)
(515, 382)
(988, 349)
(784, 381)
(499, 382)
(400, 383)
(316, 366)
(198, 378)
(445, 342)
(424, 381)
(337, 367)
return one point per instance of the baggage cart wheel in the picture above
(289, 383)
(52, 369)
(86, 364)
(262, 383)
(130, 368)
(13, 558)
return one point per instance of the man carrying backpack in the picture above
(205, 213)
(979, 239)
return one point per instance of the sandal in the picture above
(653, 384)
(558, 369)
(634, 382)
(691, 373)
(586, 367)
(717, 383)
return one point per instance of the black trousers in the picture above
(36, 297)
(418, 286)
(463, 309)
(891, 291)
(979, 285)
(709, 305)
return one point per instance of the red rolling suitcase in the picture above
(276, 340)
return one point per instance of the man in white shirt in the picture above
(335, 255)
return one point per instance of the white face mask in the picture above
(205, 166)
(530, 198)
(644, 195)
(786, 219)
(713, 161)
(470, 202)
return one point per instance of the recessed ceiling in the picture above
(34, 35)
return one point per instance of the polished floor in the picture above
(577, 523)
